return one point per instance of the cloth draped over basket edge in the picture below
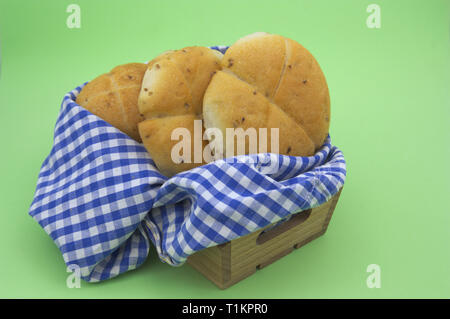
(102, 200)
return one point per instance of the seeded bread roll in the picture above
(113, 97)
(269, 81)
(233, 103)
(171, 96)
(156, 135)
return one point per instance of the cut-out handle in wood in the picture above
(295, 220)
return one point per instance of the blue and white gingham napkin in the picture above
(102, 200)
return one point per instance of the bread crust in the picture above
(230, 102)
(113, 96)
(290, 87)
(171, 96)
(257, 59)
(156, 135)
(303, 93)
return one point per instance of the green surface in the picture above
(390, 116)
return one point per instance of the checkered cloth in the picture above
(102, 200)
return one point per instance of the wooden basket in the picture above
(229, 263)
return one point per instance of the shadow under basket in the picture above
(231, 262)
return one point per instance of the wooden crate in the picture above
(229, 263)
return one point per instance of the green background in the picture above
(390, 116)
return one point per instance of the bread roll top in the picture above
(231, 102)
(171, 98)
(113, 97)
(285, 73)
(175, 82)
(257, 59)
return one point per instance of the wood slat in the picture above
(231, 262)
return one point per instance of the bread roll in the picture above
(269, 81)
(156, 135)
(232, 102)
(171, 96)
(113, 97)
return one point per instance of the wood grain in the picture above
(231, 262)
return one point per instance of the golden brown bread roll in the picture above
(171, 97)
(113, 97)
(231, 102)
(156, 136)
(269, 81)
